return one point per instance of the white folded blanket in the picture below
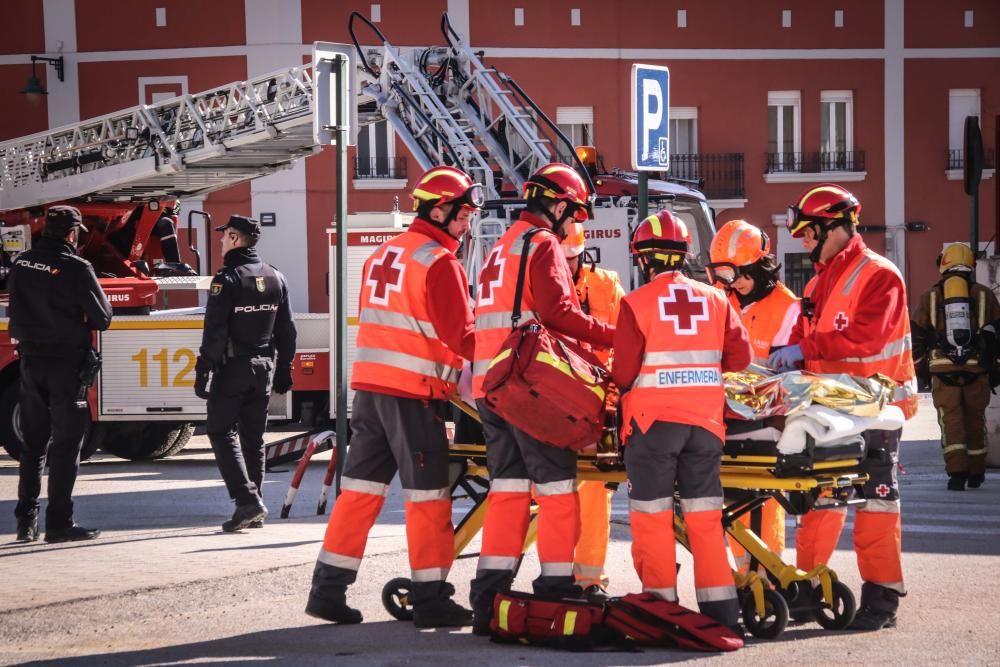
(831, 427)
(767, 434)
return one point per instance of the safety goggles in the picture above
(473, 198)
(796, 221)
(725, 272)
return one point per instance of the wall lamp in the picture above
(34, 88)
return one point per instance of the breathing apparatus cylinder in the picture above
(957, 316)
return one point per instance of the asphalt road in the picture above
(165, 586)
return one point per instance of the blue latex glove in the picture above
(785, 359)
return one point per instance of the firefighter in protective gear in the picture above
(949, 341)
(248, 321)
(742, 264)
(600, 294)
(415, 329)
(675, 338)
(555, 195)
(855, 321)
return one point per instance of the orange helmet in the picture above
(736, 245)
(559, 181)
(825, 205)
(443, 185)
(574, 241)
(661, 232)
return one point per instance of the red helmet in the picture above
(824, 205)
(442, 185)
(659, 233)
(559, 181)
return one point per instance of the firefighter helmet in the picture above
(826, 205)
(561, 182)
(574, 241)
(737, 245)
(661, 232)
(444, 185)
(956, 257)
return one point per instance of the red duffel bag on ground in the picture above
(545, 385)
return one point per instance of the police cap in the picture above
(242, 223)
(61, 220)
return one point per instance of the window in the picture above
(836, 133)
(783, 130)
(961, 103)
(574, 16)
(519, 16)
(798, 270)
(376, 152)
(577, 123)
(682, 18)
(683, 130)
(838, 18)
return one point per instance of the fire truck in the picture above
(125, 171)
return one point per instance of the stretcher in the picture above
(817, 479)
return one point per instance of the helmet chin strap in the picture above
(821, 235)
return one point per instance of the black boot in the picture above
(482, 614)
(956, 481)
(333, 607)
(878, 608)
(27, 529)
(442, 613)
(976, 480)
(244, 516)
(72, 534)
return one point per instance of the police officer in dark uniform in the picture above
(55, 305)
(247, 320)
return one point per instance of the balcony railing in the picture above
(779, 163)
(720, 175)
(956, 159)
(380, 167)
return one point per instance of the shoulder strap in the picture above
(521, 270)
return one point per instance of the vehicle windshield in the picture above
(698, 217)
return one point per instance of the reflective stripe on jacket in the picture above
(683, 323)
(769, 321)
(497, 282)
(894, 359)
(397, 346)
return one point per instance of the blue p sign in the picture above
(650, 117)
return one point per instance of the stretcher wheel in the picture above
(396, 599)
(775, 618)
(838, 616)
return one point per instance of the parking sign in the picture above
(650, 117)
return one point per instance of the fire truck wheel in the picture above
(10, 421)
(10, 427)
(176, 439)
(144, 441)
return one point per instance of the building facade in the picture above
(766, 98)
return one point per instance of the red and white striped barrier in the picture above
(319, 442)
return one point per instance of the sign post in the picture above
(650, 136)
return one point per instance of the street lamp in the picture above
(34, 88)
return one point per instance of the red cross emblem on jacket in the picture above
(386, 276)
(841, 321)
(491, 276)
(882, 490)
(683, 309)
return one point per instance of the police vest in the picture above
(680, 381)
(255, 308)
(600, 294)
(397, 346)
(769, 321)
(894, 360)
(495, 297)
